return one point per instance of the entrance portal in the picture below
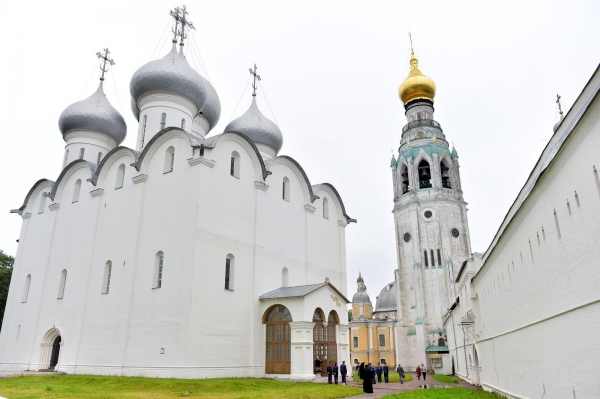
(55, 353)
(325, 345)
(278, 341)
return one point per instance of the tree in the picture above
(6, 268)
(350, 315)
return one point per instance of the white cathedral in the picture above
(192, 255)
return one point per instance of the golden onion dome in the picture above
(416, 86)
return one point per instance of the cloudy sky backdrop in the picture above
(331, 72)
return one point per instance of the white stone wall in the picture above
(196, 215)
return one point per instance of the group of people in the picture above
(332, 371)
(421, 371)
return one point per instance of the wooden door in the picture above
(278, 341)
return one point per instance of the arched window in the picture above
(66, 158)
(425, 256)
(404, 178)
(234, 169)
(120, 176)
(183, 123)
(42, 203)
(278, 340)
(76, 191)
(285, 277)
(424, 174)
(163, 121)
(26, 288)
(445, 171)
(106, 279)
(143, 131)
(81, 152)
(159, 260)
(432, 258)
(169, 160)
(229, 272)
(61, 286)
(325, 208)
(99, 158)
(286, 189)
(439, 257)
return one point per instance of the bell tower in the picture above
(430, 215)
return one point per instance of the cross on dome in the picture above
(104, 57)
(255, 76)
(180, 17)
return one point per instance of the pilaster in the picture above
(302, 351)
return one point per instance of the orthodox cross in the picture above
(104, 57)
(253, 72)
(184, 24)
(175, 14)
(558, 103)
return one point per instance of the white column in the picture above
(391, 338)
(343, 347)
(370, 337)
(302, 351)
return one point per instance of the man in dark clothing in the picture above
(329, 373)
(344, 372)
(379, 371)
(367, 379)
(372, 368)
(335, 373)
(386, 372)
(318, 366)
(400, 371)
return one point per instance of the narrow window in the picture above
(61, 287)
(285, 277)
(229, 272)
(81, 152)
(538, 238)
(439, 257)
(569, 208)
(381, 340)
(106, 279)
(446, 183)
(325, 208)
(404, 178)
(163, 121)
(169, 160)
(42, 203)
(432, 258)
(426, 261)
(158, 269)
(234, 169)
(355, 344)
(144, 131)
(182, 123)
(543, 233)
(577, 199)
(597, 180)
(99, 158)
(557, 226)
(26, 288)
(424, 174)
(66, 158)
(120, 176)
(531, 251)
(76, 191)
(286, 189)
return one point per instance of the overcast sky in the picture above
(330, 71)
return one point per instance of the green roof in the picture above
(436, 349)
(413, 332)
(394, 162)
(420, 320)
(454, 153)
(429, 150)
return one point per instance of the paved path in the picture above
(382, 389)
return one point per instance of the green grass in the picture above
(450, 393)
(445, 378)
(393, 377)
(96, 387)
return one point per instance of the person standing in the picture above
(423, 371)
(318, 366)
(386, 372)
(344, 372)
(372, 368)
(335, 373)
(367, 379)
(400, 371)
(329, 373)
(418, 372)
(379, 371)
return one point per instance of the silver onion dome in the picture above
(173, 74)
(256, 126)
(386, 300)
(94, 113)
(361, 297)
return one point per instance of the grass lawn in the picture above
(445, 378)
(88, 386)
(393, 377)
(450, 393)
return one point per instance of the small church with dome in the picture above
(196, 254)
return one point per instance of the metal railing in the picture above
(421, 122)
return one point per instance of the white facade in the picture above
(125, 263)
(530, 306)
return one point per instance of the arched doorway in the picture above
(55, 352)
(324, 340)
(278, 340)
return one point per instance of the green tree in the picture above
(350, 315)
(6, 268)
